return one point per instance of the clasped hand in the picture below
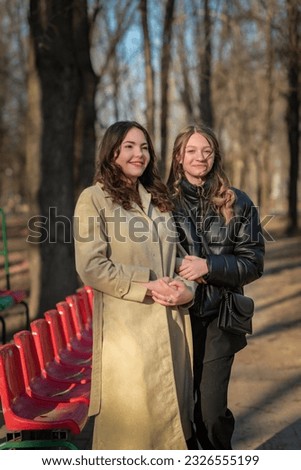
(167, 291)
(193, 268)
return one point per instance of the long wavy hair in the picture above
(218, 191)
(110, 175)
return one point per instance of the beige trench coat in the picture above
(141, 391)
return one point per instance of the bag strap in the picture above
(226, 296)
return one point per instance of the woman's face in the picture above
(197, 159)
(134, 154)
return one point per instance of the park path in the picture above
(265, 391)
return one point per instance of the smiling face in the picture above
(197, 159)
(133, 156)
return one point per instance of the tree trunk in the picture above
(33, 177)
(185, 90)
(165, 66)
(85, 130)
(149, 73)
(293, 105)
(205, 70)
(263, 160)
(51, 25)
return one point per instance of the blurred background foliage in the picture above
(70, 68)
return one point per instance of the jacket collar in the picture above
(145, 197)
(193, 193)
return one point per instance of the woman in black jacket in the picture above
(220, 230)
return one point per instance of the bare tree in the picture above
(85, 125)
(293, 106)
(52, 30)
(263, 160)
(205, 59)
(183, 79)
(149, 72)
(12, 102)
(165, 67)
(110, 69)
(195, 57)
(33, 173)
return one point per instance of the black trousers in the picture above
(214, 421)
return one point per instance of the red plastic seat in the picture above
(36, 384)
(83, 331)
(85, 304)
(73, 342)
(90, 294)
(51, 368)
(63, 353)
(22, 412)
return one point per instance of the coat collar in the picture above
(145, 197)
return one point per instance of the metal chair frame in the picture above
(4, 253)
(38, 440)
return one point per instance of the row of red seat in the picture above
(45, 376)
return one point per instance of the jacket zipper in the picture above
(201, 225)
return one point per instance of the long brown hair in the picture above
(111, 176)
(220, 195)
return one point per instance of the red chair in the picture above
(90, 294)
(37, 385)
(83, 332)
(51, 368)
(85, 305)
(28, 419)
(63, 353)
(73, 342)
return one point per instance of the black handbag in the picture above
(235, 313)
(236, 310)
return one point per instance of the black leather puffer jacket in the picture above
(236, 250)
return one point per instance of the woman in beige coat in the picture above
(126, 248)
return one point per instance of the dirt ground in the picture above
(265, 390)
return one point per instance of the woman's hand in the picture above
(172, 293)
(159, 285)
(193, 268)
